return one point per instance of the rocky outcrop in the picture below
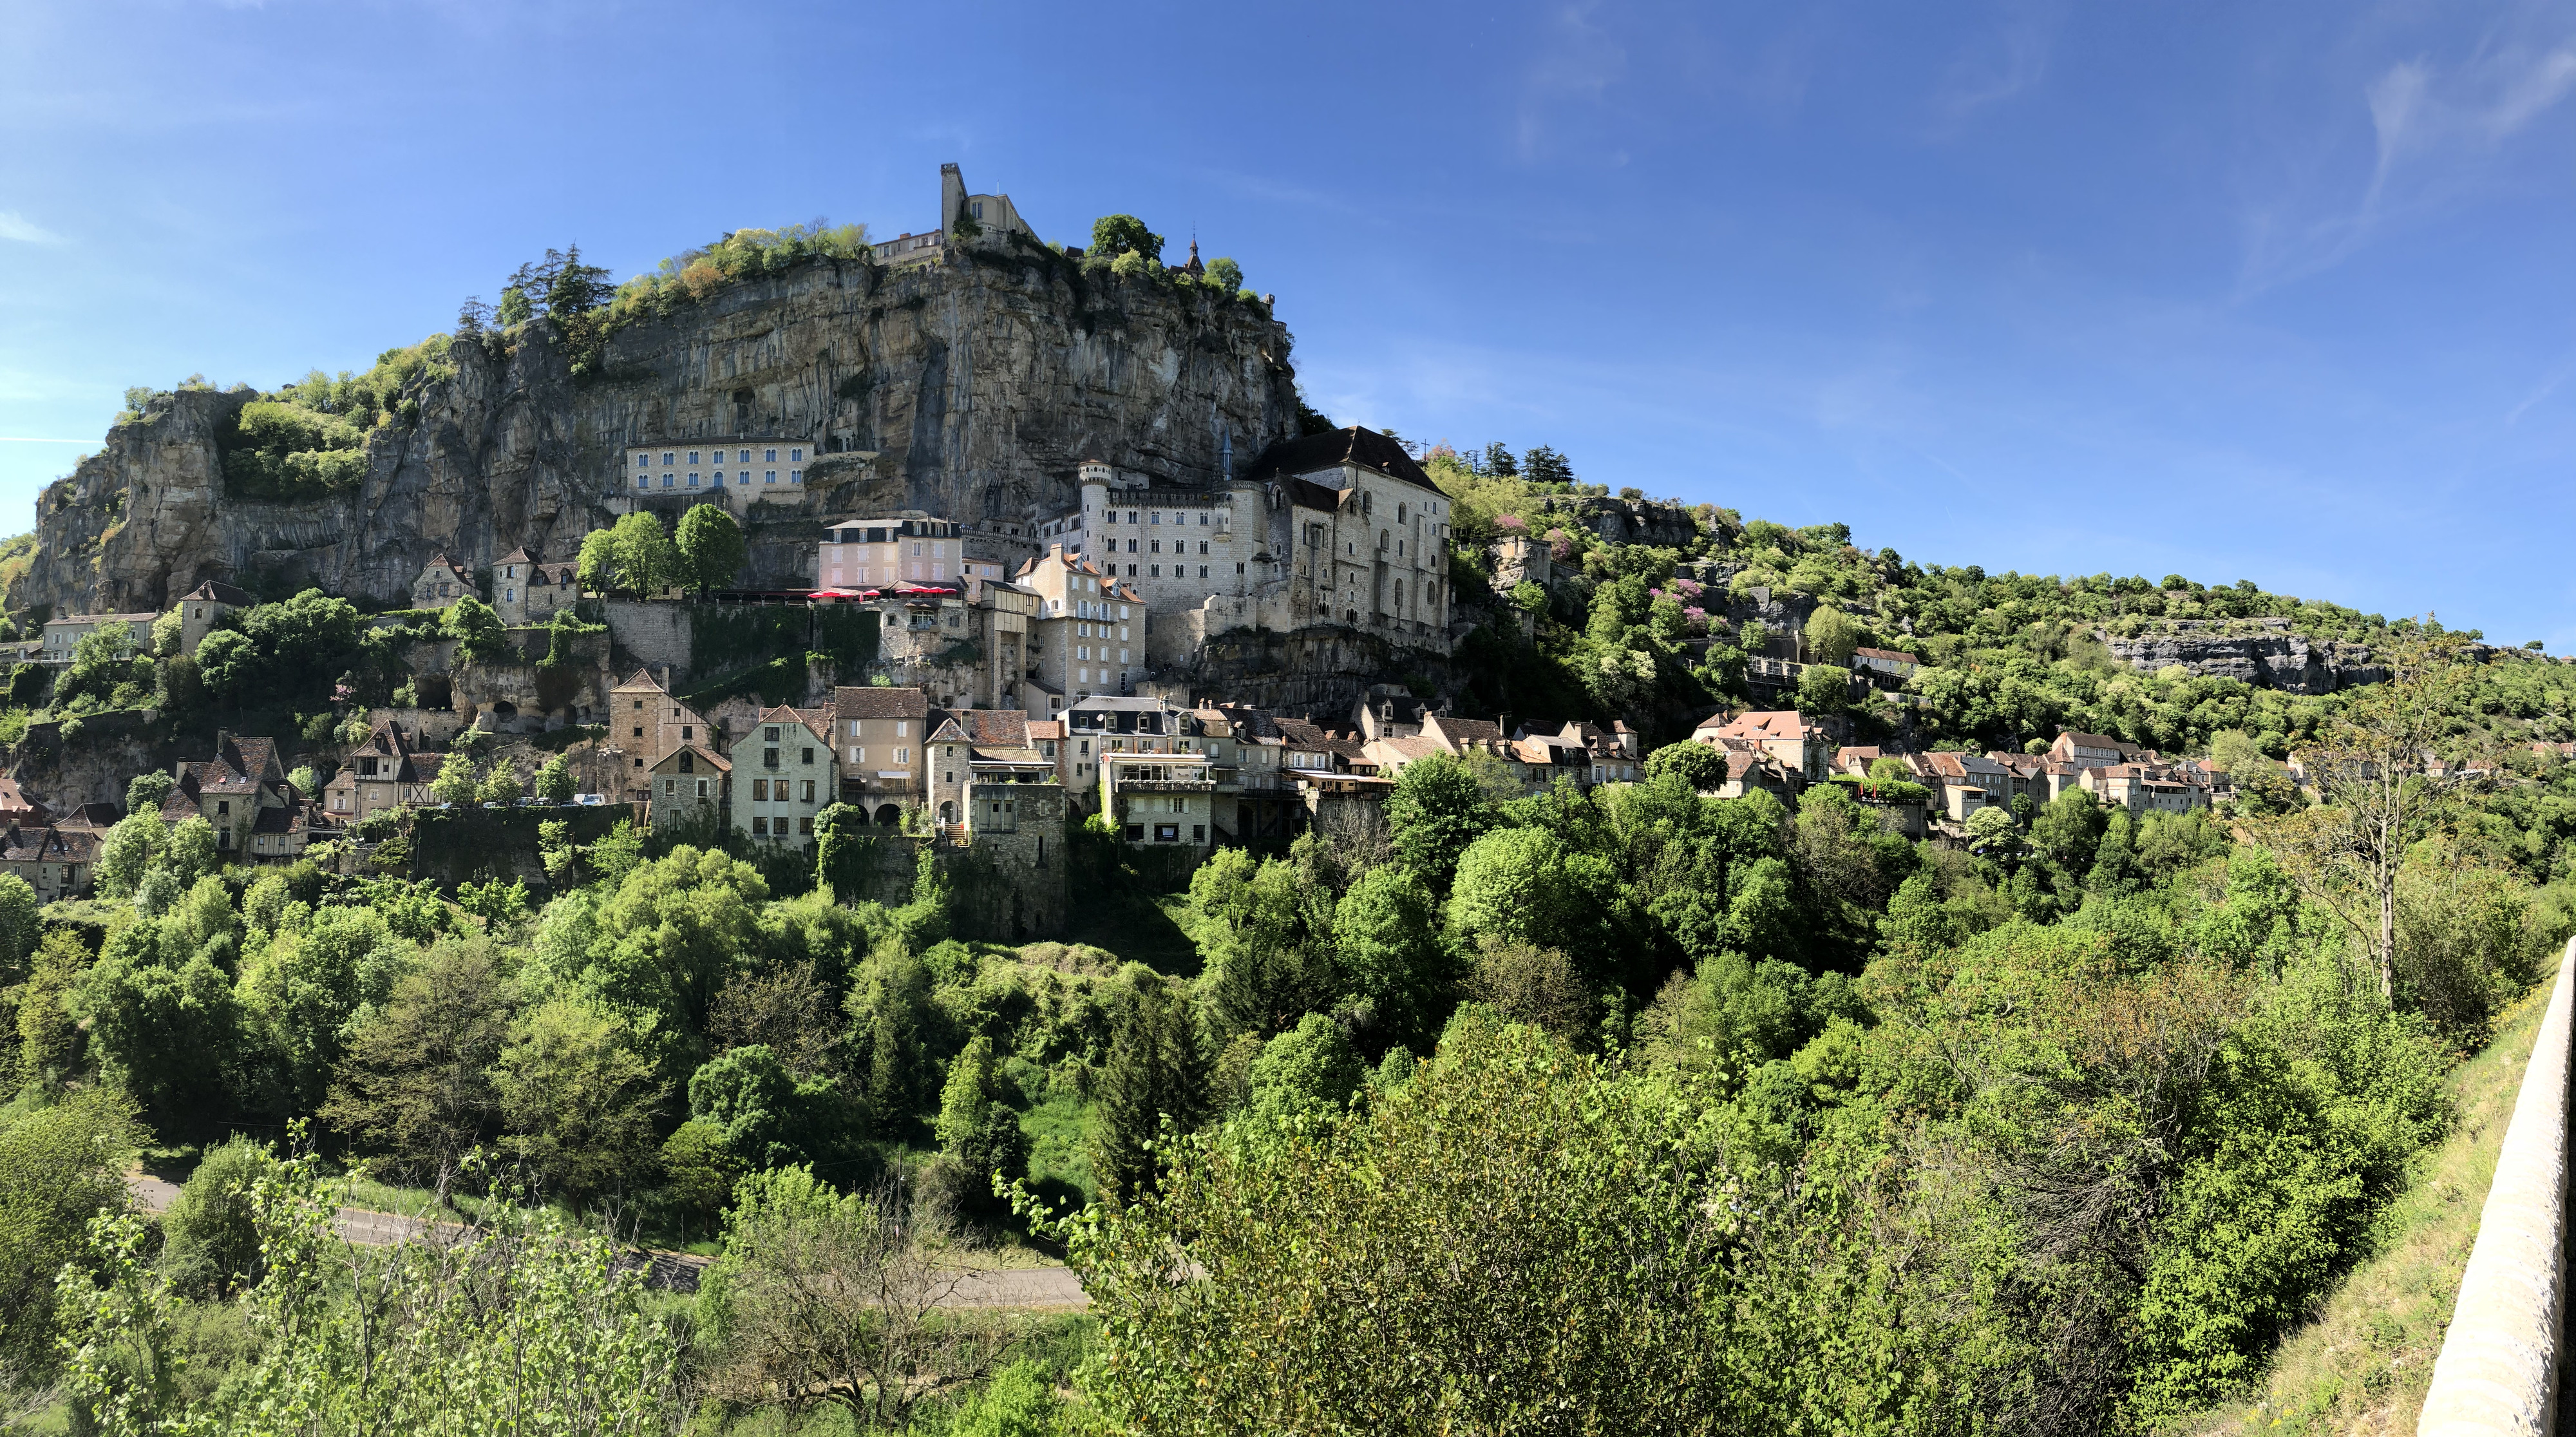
(969, 386)
(2284, 661)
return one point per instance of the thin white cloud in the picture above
(1996, 68)
(1577, 64)
(15, 226)
(2429, 123)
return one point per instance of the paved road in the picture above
(679, 1271)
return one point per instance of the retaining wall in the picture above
(2498, 1372)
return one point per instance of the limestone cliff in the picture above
(968, 385)
(2281, 660)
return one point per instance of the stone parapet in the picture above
(2498, 1371)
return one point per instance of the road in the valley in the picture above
(679, 1271)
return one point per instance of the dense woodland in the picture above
(1626, 1109)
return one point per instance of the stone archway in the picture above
(888, 815)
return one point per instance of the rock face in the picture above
(969, 385)
(2282, 661)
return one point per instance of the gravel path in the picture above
(679, 1271)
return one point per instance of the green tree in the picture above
(109, 669)
(2069, 829)
(1993, 834)
(522, 1322)
(1225, 274)
(21, 926)
(1387, 928)
(579, 1101)
(416, 1087)
(597, 565)
(1115, 235)
(194, 850)
(1831, 637)
(59, 1167)
(210, 1235)
(835, 1294)
(515, 308)
(645, 559)
(1157, 1071)
(166, 1027)
(1525, 885)
(711, 547)
(477, 630)
(145, 792)
(500, 784)
(1437, 808)
(129, 849)
(455, 782)
(1310, 1069)
(307, 987)
(1823, 689)
(555, 782)
(1700, 766)
(1534, 1235)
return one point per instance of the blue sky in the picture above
(2279, 292)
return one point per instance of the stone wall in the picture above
(650, 635)
(2498, 1371)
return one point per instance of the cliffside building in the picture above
(442, 582)
(204, 606)
(783, 775)
(878, 735)
(529, 590)
(1340, 528)
(62, 634)
(692, 784)
(734, 472)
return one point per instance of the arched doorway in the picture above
(888, 815)
(948, 811)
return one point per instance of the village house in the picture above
(692, 785)
(783, 775)
(1161, 799)
(1089, 632)
(647, 725)
(442, 582)
(528, 590)
(1885, 668)
(1797, 744)
(17, 806)
(2143, 788)
(1968, 782)
(976, 757)
(65, 633)
(879, 735)
(56, 862)
(205, 606)
(386, 770)
(230, 791)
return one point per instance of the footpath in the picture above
(680, 1271)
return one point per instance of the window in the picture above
(795, 456)
(1203, 571)
(795, 476)
(760, 790)
(809, 791)
(666, 459)
(1203, 521)
(805, 824)
(693, 481)
(807, 759)
(693, 456)
(769, 734)
(902, 756)
(643, 461)
(666, 481)
(742, 456)
(760, 828)
(671, 786)
(769, 476)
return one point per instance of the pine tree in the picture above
(1156, 1070)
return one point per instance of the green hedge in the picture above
(1893, 790)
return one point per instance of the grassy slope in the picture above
(2362, 1365)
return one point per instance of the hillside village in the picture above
(971, 678)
